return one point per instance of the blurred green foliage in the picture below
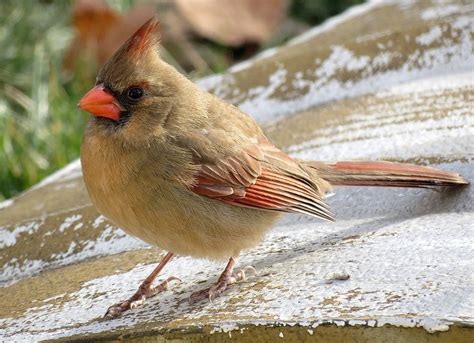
(40, 125)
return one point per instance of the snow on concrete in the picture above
(333, 22)
(442, 60)
(327, 25)
(445, 9)
(436, 56)
(6, 203)
(429, 37)
(389, 267)
(111, 240)
(70, 172)
(393, 138)
(8, 238)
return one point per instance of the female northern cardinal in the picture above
(185, 171)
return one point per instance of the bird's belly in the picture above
(180, 221)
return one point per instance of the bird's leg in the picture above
(227, 277)
(144, 292)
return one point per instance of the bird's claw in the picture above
(221, 285)
(138, 298)
(240, 275)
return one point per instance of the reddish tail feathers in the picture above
(387, 174)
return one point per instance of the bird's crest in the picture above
(146, 37)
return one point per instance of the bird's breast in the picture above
(136, 198)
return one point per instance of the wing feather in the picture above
(261, 176)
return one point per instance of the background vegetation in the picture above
(40, 125)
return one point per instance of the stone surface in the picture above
(383, 81)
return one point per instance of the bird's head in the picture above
(135, 88)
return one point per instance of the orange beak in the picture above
(100, 103)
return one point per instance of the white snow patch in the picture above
(437, 108)
(242, 65)
(225, 327)
(56, 297)
(211, 81)
(430, 85)
(382, 59)
(64, 255)
(8, 238)
(443, 60)
(359, 141)
(99, 220)
(431, 36)
(464, 22)
(251, 61)
(69, 221)
(71, 171)
(111, 241)
(6, 203)
(331, 23)
(340, 59)
(437, 12)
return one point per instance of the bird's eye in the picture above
(135, 93)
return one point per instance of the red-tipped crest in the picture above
(146, 36)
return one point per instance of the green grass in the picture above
(40, 124)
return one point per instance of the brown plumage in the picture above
(187, 172)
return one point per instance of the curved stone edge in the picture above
(338, 331)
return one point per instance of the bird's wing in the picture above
(255, 174)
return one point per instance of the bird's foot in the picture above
(227, 278)
(144, 292)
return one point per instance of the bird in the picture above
(185, 171)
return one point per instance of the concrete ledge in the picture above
(341, 332)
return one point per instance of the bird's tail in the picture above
(385, 174)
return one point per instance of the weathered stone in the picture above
(385, 81)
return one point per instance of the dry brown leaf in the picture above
(100, 30)
(129, 23)
(233, 22)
